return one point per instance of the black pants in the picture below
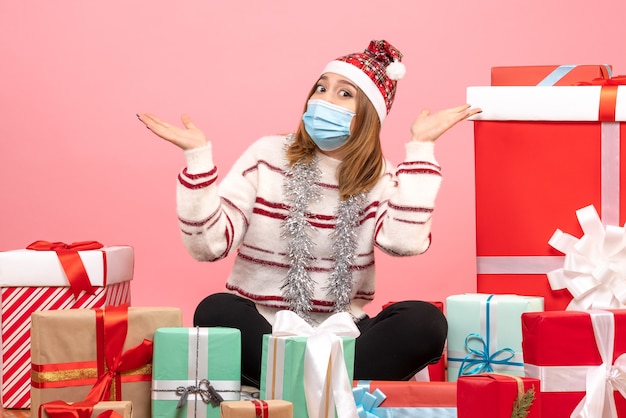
(394, 345)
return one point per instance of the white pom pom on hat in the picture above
(396, 70)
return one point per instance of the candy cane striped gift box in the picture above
(36, 281)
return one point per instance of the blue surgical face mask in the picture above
(327, 124)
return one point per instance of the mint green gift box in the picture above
(186, 361)
(485, 333)
(282, 369)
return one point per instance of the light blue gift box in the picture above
(189, 366)
(485, 333)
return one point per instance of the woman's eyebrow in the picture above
(348, 83)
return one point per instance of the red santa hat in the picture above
(375, 71)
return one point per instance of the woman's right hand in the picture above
(186, 138)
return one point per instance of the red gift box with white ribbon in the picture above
(541, 153)
(579, 357)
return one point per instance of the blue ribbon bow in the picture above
(480, 360)
(366, 401)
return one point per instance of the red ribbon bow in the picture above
(608, 95)
(70, 261)
(61, 409)
(111, 330)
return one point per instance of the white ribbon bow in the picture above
(594, 270)
(602, 380)
(323, 358)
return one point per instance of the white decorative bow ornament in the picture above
(324, 362)
(594, 271)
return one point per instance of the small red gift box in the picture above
(53, 276)
(436, 399)
(493, 395)
(547, 75)
(542, 153)
(579, 357)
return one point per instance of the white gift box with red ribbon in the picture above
(33, 280)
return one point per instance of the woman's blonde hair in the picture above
(362, 165)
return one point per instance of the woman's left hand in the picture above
(428, 127)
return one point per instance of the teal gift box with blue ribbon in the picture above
(194, 369)
(485, 333)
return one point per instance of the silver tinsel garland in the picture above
(301, 187)
(344, 250)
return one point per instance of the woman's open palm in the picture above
(429, 127)
(186, 138)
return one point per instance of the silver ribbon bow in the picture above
(207, 393)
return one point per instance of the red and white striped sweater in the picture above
(244, 212)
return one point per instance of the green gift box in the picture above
(283, 369)
(191, 366)
(485, 333)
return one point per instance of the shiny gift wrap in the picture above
(541, 153)
(579, 358)
(53, 276)
(493, 395)
(86, 354)
(485, 333)
(257, 409)
(193, 370)
(312, 367)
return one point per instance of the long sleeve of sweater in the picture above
(404, 216)
(211, 225)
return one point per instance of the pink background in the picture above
(77, 165)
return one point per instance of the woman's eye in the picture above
(345, 93)
(319, 89)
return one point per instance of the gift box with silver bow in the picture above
(485, 333)
(194, 369)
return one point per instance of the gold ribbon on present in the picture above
(111, 367)
(111, 330)
(523, 400)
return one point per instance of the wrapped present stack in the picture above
(554, 137)
(95, 355)
(53, 276)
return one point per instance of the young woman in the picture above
(305, 211)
